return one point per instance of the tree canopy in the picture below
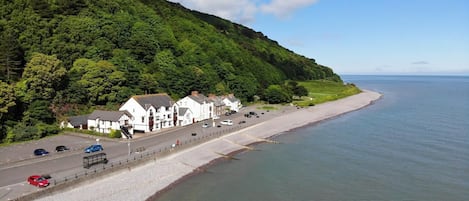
(98, 52)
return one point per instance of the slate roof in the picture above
(217, 101)
(78, 120)
(108, 115)
(199, 98)
(182, 111)
(155, 100)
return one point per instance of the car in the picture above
(61, 148)
(253, 113)
(242, 122)
(227, 122)
(40, 152)
(205, 125)
(94, 148)
(193, 134)
(216, 117)
(38, 180)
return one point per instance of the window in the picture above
(143, 119)
(110, 123)
(126, 122)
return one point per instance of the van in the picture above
(227, 122)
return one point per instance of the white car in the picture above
(227, 122)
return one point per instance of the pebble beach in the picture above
(144, 181)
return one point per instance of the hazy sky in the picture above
(360, 36)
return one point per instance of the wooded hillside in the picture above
(57, 55)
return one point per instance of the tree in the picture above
(42, 78)
(103, 82)
(277, 94)
(8, 98)
(11, 55)
(7, 101)
(300, 91)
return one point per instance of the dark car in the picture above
(242, 122)
(40, 152)
(38, 180)
(61, 148)
(253, 113)
(94, 148)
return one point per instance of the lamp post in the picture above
(128, 145)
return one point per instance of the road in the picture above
(17, 162)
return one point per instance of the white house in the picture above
(232, 102)
(105, 121)
(151, 112)
(201, 107)
(185, 116)
(80, 122)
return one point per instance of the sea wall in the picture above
(142, 182)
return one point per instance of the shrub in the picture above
(115, 134)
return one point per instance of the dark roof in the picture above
(199, 98)
(155, 100)
(183, 110)
(108, 115)
(78, 120)
(217, 101)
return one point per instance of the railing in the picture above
(143, 154)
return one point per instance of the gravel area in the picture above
(140, 183)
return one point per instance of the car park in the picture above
(38, 180)
(40, 152)
(61, 148)
(227, 122)
(94, 148)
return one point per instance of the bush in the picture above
(115, 134)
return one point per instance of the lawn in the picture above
(320, 91)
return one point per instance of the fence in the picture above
(144, 154)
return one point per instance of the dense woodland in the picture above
(67, 57)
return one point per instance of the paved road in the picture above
(17, 162)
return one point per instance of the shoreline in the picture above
(150, 180)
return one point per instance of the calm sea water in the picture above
(413, 144)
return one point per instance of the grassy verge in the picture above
(320, 91)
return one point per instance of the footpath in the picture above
(145, 181)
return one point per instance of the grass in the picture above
(320, 91)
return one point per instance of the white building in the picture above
(201, 107)
(105, 121)
(232, 103)
(152, 112)
(185, 116)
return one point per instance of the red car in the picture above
(38, 180)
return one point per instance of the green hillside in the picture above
(57, 55)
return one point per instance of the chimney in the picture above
(194, 93)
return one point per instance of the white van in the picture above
(227, 122)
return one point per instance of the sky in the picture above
(415, 37)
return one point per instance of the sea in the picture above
(412, 144)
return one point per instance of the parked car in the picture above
(253, 113)
(61, 148)
(205, 125)
(242, 122)
(40, 152)
(38, 180)
(227, 122)
(94, 148)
